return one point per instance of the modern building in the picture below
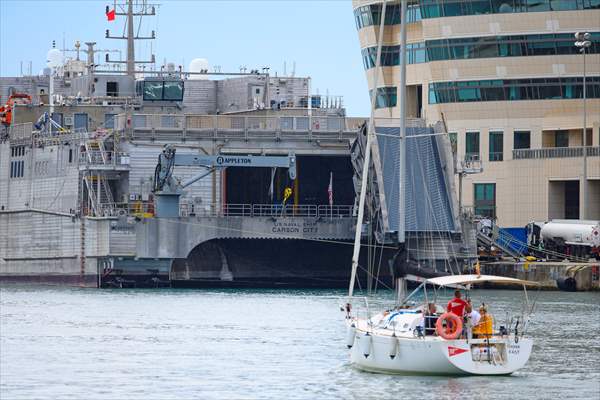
(507, 79)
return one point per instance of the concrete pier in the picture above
(586, 275)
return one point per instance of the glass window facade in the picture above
(561, 139)
(496, 149)
(371, 14)
(454, 8)
(513, 89)
(390, 55)
(506, 46)
(479, 47)
(386, 97)
(485, 199)
(472, 146)
(522, 140)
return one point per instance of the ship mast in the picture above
(127, 10)
(130, 41)
(365, 170)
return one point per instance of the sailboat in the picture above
(396, 340)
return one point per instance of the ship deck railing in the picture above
(216, 127)
(103, 158)
(146, 209)
(267, 210)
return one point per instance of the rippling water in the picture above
(223, 344)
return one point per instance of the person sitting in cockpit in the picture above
(485, 327)
(430, 317)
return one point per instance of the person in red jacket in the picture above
(457, 305)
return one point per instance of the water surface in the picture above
(229, 344)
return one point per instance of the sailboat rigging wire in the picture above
(365, 171)
(429, 208)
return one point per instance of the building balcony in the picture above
(554, 152)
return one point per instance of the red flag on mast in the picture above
(110, 14)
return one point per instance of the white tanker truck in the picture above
(577, 238)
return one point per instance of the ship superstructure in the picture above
(78, 166)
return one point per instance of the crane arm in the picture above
(169, 159)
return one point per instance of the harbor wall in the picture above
(586, 275)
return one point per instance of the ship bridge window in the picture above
(112, 89)
(153, 91)
(163, 91)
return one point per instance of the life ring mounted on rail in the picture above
(453, 328)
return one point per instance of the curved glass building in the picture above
(507, 79)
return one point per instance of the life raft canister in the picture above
(453, 328)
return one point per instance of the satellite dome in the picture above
(198, 65)
(54, 58)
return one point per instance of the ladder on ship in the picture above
(100, 194)
(96, 179)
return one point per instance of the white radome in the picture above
(197, 65)
(54, 58)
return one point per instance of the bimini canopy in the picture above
(475, 279)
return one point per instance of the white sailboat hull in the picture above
(437, 356)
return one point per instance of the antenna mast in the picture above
(142, 9)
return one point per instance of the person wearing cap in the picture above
(485, 327)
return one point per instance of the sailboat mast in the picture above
(401, 285)
(402, 141)
(365, 169)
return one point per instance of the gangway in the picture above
(503, 240)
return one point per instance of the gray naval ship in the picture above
(116, 175)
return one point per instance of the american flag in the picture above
(330, 189)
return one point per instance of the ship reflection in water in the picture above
(217, 344)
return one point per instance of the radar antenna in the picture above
(130, 10)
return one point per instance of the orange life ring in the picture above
(454, 326)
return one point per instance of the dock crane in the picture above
(168, 189)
